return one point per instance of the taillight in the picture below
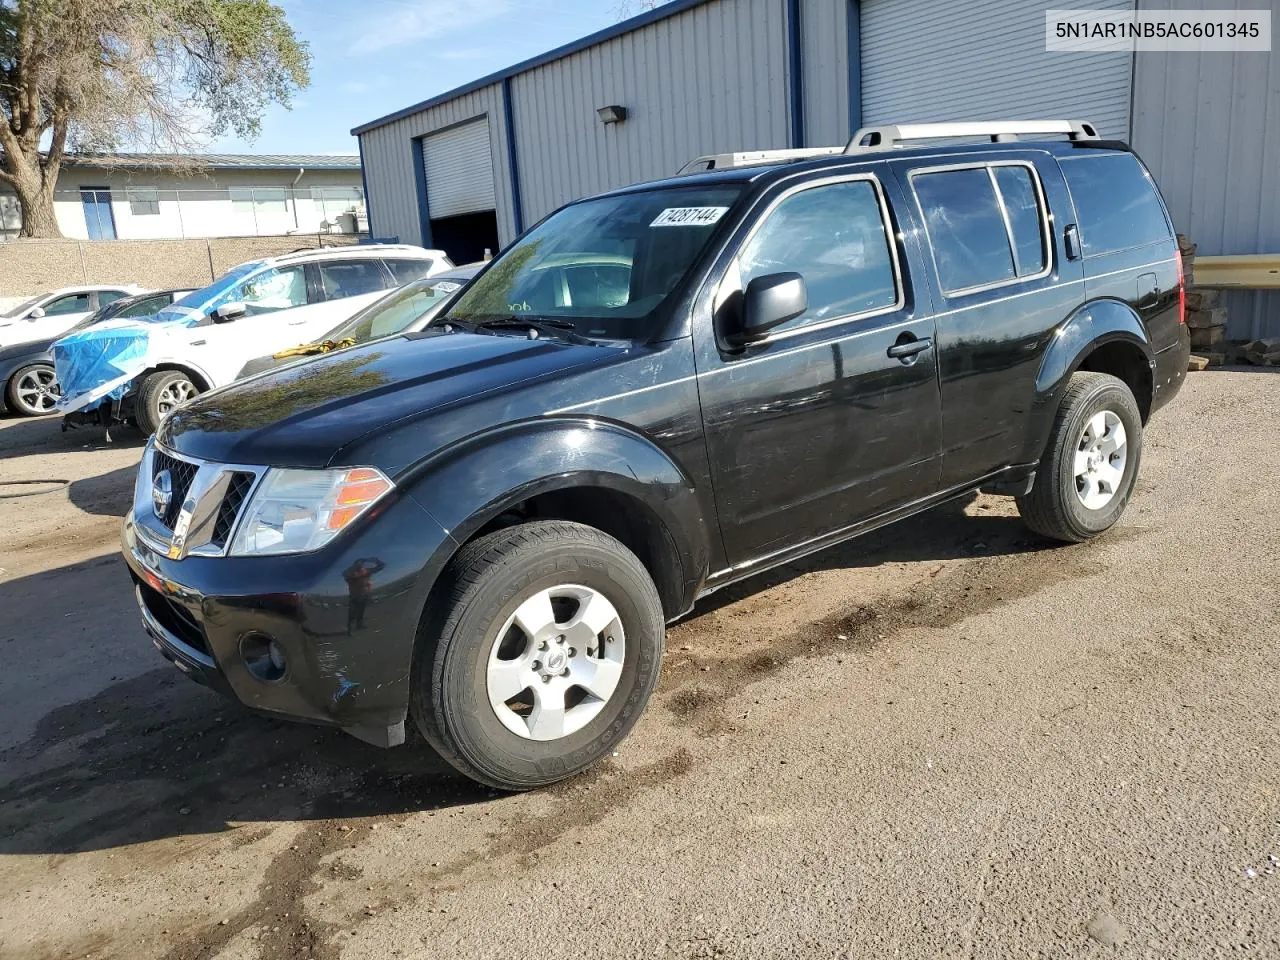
(1182, 291)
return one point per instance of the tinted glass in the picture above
(77, 303)
(395, 311)
(652, 237)
(352, 279)
(110, 296)
(834, 237)
(145, 307)
(965, 227)
(406, 271)
(1116, 203)
(1022, 203)
(271, 290)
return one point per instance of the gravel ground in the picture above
(949, 739)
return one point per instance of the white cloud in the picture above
(413, 21)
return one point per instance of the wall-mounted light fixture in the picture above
(612, 114)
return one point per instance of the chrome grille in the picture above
(207, 500)
(181, 472)
(229, 510)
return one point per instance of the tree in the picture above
(161, 74)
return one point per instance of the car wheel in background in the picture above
(540, 656)
(1088, 470)
(33, 390)
(159, 394)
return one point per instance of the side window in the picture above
(1021, 201)
(271, 290)
(144, 308)
(1116, 203)
(406, 271)
(109, 296)
(352, 278)
(966, 228)
(835, 237)
(75, 303)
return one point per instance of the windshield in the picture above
(20, 308)
(395, 312)
(200, 302)
(604, 264)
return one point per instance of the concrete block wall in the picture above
(30, 267)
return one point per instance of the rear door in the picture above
(1002, 284)
(820, 425)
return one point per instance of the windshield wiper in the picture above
(544, 326)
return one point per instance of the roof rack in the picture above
(746, 158)
(999, 131)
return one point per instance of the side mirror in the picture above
(228, 312)
(36, 313)
(771, 300)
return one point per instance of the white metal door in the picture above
(459, 169)
(985, 60)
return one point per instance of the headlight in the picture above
(295, 511)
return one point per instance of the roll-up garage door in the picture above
(928, 62)
(459, 170)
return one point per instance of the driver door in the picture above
(273, 300)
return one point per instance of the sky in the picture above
(372, 57)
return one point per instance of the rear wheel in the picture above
(160, 393)
(33, 390)
(1091, 462)
(541, 657)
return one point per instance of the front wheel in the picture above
(33, 390)
(541, 657)
(160, 393)
(1089, 467)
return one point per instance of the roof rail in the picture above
(897, 134)
(718, 161)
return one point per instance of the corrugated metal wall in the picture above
(710, 79)
(985, 60)
(824, 29)
(389, 163)
(1208, 126)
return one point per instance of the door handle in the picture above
(906, 350)
(1071, 238)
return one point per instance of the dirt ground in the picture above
(949, 739)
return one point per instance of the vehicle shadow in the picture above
(114, 747)
(108, 494)
(24, 436)
(946, 532)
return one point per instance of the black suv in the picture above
(486, 525)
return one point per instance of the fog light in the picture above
(264, 657)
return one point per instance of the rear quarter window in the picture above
(1117, 206)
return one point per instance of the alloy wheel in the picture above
(556, 662)
(174, 395)
(1100, 458)
(37, 390)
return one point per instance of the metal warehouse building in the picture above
(471, 168)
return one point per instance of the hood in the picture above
(303, 415)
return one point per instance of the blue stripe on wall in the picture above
(517, 207)
(420, 178)
(854, 24)
(795, 71)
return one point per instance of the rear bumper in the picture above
(1171, 369)
(348, 652)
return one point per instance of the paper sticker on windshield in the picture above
(688, 216)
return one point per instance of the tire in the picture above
(32, 390)
(1066, 504)
(161, 392)
(473, 634)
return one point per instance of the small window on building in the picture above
(834, 236)
(143, 201)
(1021, 200)
(254, 200)
(1116, 202)
(966, 228)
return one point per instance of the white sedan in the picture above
(56, 312)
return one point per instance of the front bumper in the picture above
(348, 646)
